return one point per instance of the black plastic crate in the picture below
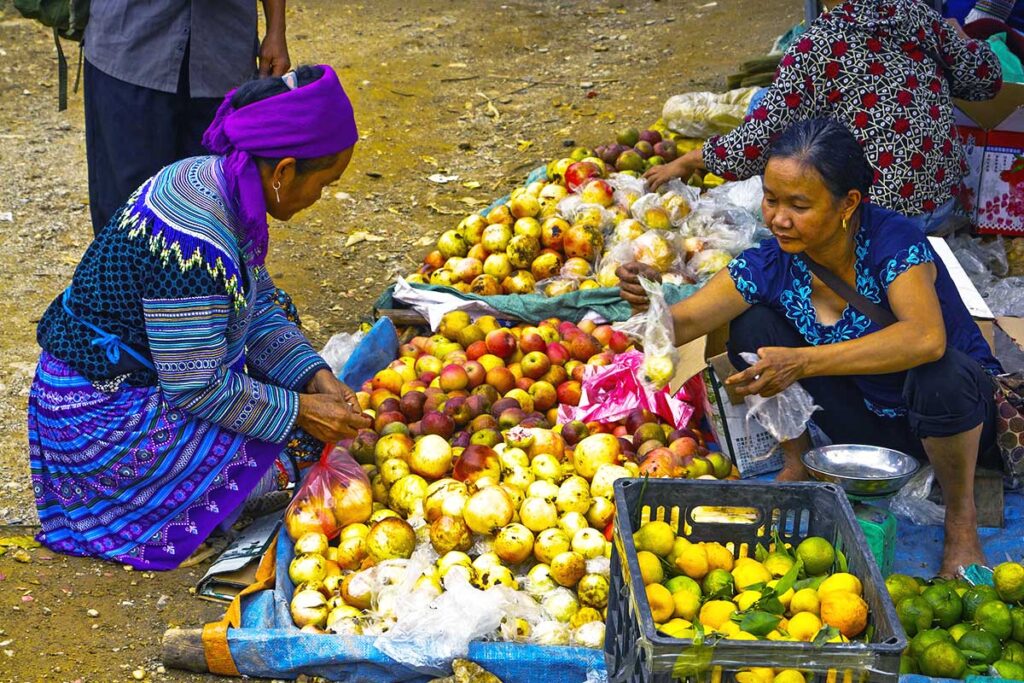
(636, 652)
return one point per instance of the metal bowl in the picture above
(861, 470)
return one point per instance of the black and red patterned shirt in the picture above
(888, 70)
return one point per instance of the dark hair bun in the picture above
(262, 88)
(827, 146)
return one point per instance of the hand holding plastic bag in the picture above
(786, 414)
(335, 493)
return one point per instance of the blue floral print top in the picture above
(887, 245)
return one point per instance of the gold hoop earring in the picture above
(846, 224)
(277, 191)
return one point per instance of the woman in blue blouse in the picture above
(921, 385)
(170, 379)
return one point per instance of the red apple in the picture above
(389, 379)
(501, 343)
(569, 393)
(557, 353)
(438, 423)
(530, 342)
(501, 379)
(524, 383)
(555, 376)
(475, 373)
(583, 346)
(578, 173)
(603, 334)
(475, 350)
(619, 341)
(453, 377)
(544, 395)
(598, 191)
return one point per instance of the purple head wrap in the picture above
(314, 120)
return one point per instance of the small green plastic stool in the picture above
(879, 526)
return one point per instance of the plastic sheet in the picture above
(786, 414)
(610, 392)
(660, 354)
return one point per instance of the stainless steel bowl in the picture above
(861, 470)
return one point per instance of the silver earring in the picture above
(277, 190)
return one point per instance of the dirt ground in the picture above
(482, 90)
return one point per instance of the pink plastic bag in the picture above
(335, 493)
(611, 392)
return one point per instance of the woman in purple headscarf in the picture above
(170, 380)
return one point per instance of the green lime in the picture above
(959, 585)
(976, 596)
(908, 665)
(980, 646)
(1011, 671)
(1013, 652)
(818, 555)
(915, 614)
(957, 630)
(718, 583)
(901, 586)
(683, 583)
(946, 604)
(1017, 617)
(943, 660)
(994, 617)
(923, 639)
(1008, 578)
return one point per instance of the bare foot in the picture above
(792, 473)
(962, 548)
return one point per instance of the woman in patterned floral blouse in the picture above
(888, 69)
(921, 385)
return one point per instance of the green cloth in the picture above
(1013, 72)
(536, 307)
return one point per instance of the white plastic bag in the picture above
(912, 503)
(338, 349)
(785, 415)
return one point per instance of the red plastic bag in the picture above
(335, 493)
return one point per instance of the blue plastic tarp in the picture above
(269, 645)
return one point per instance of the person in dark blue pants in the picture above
(921, 383)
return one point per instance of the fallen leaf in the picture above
(443, 212)
(471, 184)
(362, 236)
(524, 145)
(21, 555)
(429, 160)
(18, 542)
(471, 201)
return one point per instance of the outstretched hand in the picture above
(630, 288)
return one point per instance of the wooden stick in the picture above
(182, 648)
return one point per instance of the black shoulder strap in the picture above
(879, 315)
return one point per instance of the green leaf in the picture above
(780, 547)
(759, 623)
(760, 553)
(789, 578)
(824, 635)
(671, 571)
(770, 603)
(841, 559)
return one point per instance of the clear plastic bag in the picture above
(660, 354)
(703, 114)
(627, 189)
(650, 210)
(745, 194)
(573, 208)
(785, 415)
(1006, 297)
(679, 199)
(660, 250)
(705, 263)
(912, 504)
(556, 286)
(338, 349)
(335, 493)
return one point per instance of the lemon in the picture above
(656, 537)
(650, 567)
(841, 581)
(817, 554)
(660, 600)
(750, 574)
(742, 635)
(678, 546)
(958, 630)
(1008, 578)
(686, 604)
(676, 628)
(789, 676)
(714, 613)
(755, 675)
(804, 626)
(777, 636)
(693, 561)
(746, 599)
(778, 564)
(846, 611)
(729, 628)
(805, 600)
(718, 583)
(718, 556)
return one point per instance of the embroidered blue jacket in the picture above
(887, 244)
(167, 274)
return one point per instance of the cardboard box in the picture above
(970, 295)
(993, 132)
